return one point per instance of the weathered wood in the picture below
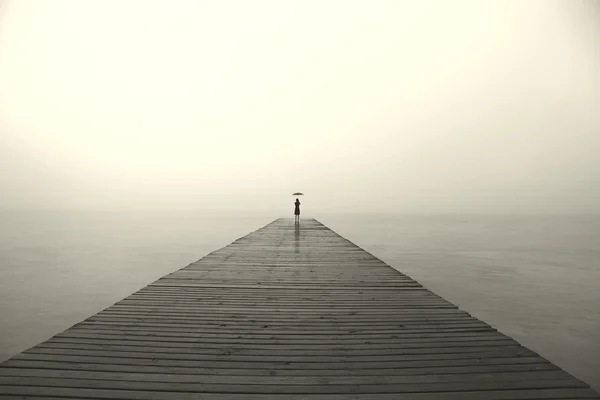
(307, 319)
(281, 329)
(281, 350)
(288, 380)
(341, 323)
(175, 333)
(483, 367)
(125, 337)
(336, 312)
(286, 312)
(408, 344)
(255, 388)
(233, 357)
(85, 393)
(233, 354)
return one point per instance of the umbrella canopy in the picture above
(298, 194)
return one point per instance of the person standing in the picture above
(297, 211)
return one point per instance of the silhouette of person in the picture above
(297, 211)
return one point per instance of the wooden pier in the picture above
(286, 312)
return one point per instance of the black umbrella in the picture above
(297, 194)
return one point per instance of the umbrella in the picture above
(298, 194)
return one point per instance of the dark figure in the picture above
(297, 211)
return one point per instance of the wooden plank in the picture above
(206, 324)
(286, 312)
(200, 319)
(483, 367)
(133, 331)
(175, 333)
(236, 339)
(255, 388)
(265, 295)
(190, 326)
(311, 313)
(408, 362)
(284, 319)
(282, 380)
(79, 393)
(236, 324)
(286, 380)
(465, 342)
(370, 348)
(280, 352)
(351, 315)
(360, 303)
(37, 352)
(259, 285)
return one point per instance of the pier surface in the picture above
(286, 312)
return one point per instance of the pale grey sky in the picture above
(410, 106)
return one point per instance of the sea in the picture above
(535, 278)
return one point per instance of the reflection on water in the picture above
(296, 238)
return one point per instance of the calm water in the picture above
(536, 279)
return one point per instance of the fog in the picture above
(372, 106)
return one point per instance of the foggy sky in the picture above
(407, 106)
